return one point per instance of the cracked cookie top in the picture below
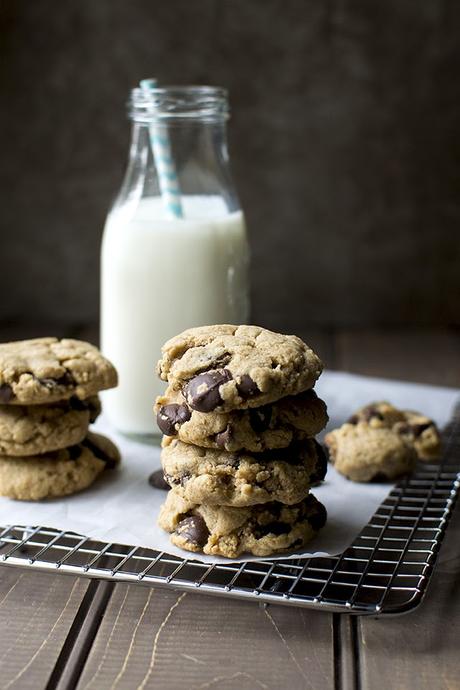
(224, 367)
(43, 370)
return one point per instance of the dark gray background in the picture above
(345, 145)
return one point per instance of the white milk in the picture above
(158, 277)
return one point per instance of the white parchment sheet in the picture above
(122, 507)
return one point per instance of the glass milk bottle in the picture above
(174, 250)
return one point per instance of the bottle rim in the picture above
(203, 103)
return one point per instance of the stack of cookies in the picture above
(239, 418)
(48, 398)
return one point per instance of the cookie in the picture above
(367, 453)
(224, 531)
(60, 473)
(223, 368)
(216, 477)
(275, 425)
(35, 429)
(44, 370)
(414, 427)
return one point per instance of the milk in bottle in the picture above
(162, 271)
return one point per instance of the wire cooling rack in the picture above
(385, 571)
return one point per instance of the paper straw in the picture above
(164, 163)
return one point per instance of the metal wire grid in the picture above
(385, 571)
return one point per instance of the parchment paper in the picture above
(122, 507)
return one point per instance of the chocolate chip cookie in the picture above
(60, 473)
(44, 370)
(36, 429)
(223, 368)
(275, 425)
(364, 453)
(413, 427)
(216, 477)
(224, 531)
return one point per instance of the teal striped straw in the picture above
(164, 163)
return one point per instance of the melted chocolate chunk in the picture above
(247, 387)
(6, 393)
(354, 419)
(158, 481)
(418, 429)
(171, 415)
(74, 452)
(318, 518)
(371, 412)
(65, 380)
(77, 404)
(202, 392)
(321, 464)
(379, 477)
(260, 418)
(99, 453)
(404, 428)
(194, 530)
(276, 528)
(184, 478)
(225, 436)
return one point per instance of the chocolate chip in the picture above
(171, 415)
(65, 380)
(260, 418)
(247, 387)
(321, 463)
(99, 453)
(225, 436)
(379, 477)
(418, 429)
(202, 392)
(194, 530)
(296, 543)
(318, 518)
(6, 393)
(354, 419)
(74, 452)
(404, 429)
(275, 528)
(77, 404)
(371, 412)
(158, 481)
(184, 478)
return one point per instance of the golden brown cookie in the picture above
(60, 473)
(257, 429)
(216, 477)
(223, 367)
(44, 370)
(224, 531)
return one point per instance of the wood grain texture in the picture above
(419, 651)
(153, 638)
(37, 611)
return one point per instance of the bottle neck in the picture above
(199, 155)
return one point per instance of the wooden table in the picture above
(62, 632)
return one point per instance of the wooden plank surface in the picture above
(58, 632)
(418, 651)
(37, 612)
(153, 638)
